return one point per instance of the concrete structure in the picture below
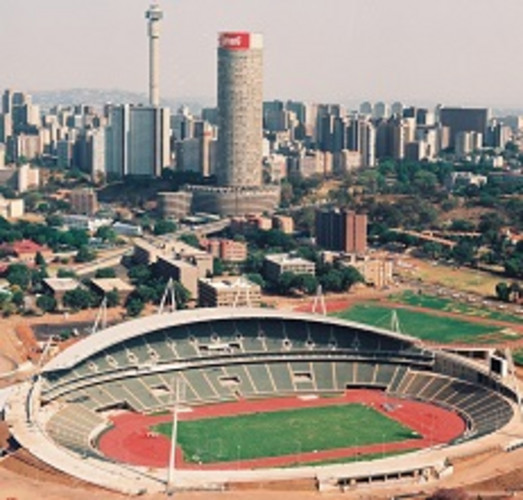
(138, 141)
(58, 287)
(240, 134)
(227, 250)
(240, 105)
(84, 201)
(376, 271)
(154, 16)
(11, 208)
(275, 265)
(464, 120)
(32, 405)
(467, 142)
(182, 271)
(103, 286)
(233, 291)
(284, 223)
(232, 201)
(174, 204)
(341, 230)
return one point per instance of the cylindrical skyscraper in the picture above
(240, 108)
(154, 15)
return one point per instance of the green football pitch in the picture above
(287, 432)
(419, 324)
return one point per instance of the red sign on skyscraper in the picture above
(235, 41)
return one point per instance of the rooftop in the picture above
(61, 284)
(230, 283)
(109, 284)
(285, 258)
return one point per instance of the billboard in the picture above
(235, 41)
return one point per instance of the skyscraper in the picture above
(240, 108)
(240, 190)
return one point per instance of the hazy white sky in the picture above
(450, 51)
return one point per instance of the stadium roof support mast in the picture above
(319, 302)
(101, 316)
(395, 322)
(169, 293)
(172, 455)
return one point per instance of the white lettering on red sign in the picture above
(235, 41)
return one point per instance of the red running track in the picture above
(131, 441)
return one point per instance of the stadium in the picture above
(256, 396)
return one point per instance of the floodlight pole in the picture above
(172, 455)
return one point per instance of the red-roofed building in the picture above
(25, 250)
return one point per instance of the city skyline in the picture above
(452, 53)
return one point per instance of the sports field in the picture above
(287, 432)
(449, 305)
(421, 325)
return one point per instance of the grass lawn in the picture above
(271, 434)
(421, 325)
(445, 304)
(518, 357)
(465, 279)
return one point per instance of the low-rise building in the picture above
(227, 250)
(84, 201)
(146, 252)
(103, 286)
(233, 291)
(11, 208)
(284, 223)
(58, 287)
(25, 251)
(276, 264)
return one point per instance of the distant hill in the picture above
(99, 97)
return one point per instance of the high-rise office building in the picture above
(138, 141)
(240, 108)
(464, 120)
(341, 230)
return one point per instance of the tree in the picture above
(19, 274)
(190, 239)
(39, 259)
(286, 283)
(503, 291)
(257, 279)
(84, 254)
(464, 252)
(164, 227)
(105, 272)
(46, 303)
(218, 267)
(78, 299)
(113, 299)
(66, 273)
(350, 276)
(182, 295)
(18, 297)
(106, 233)
(139, 274)
(306, 283)
(134, 305)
